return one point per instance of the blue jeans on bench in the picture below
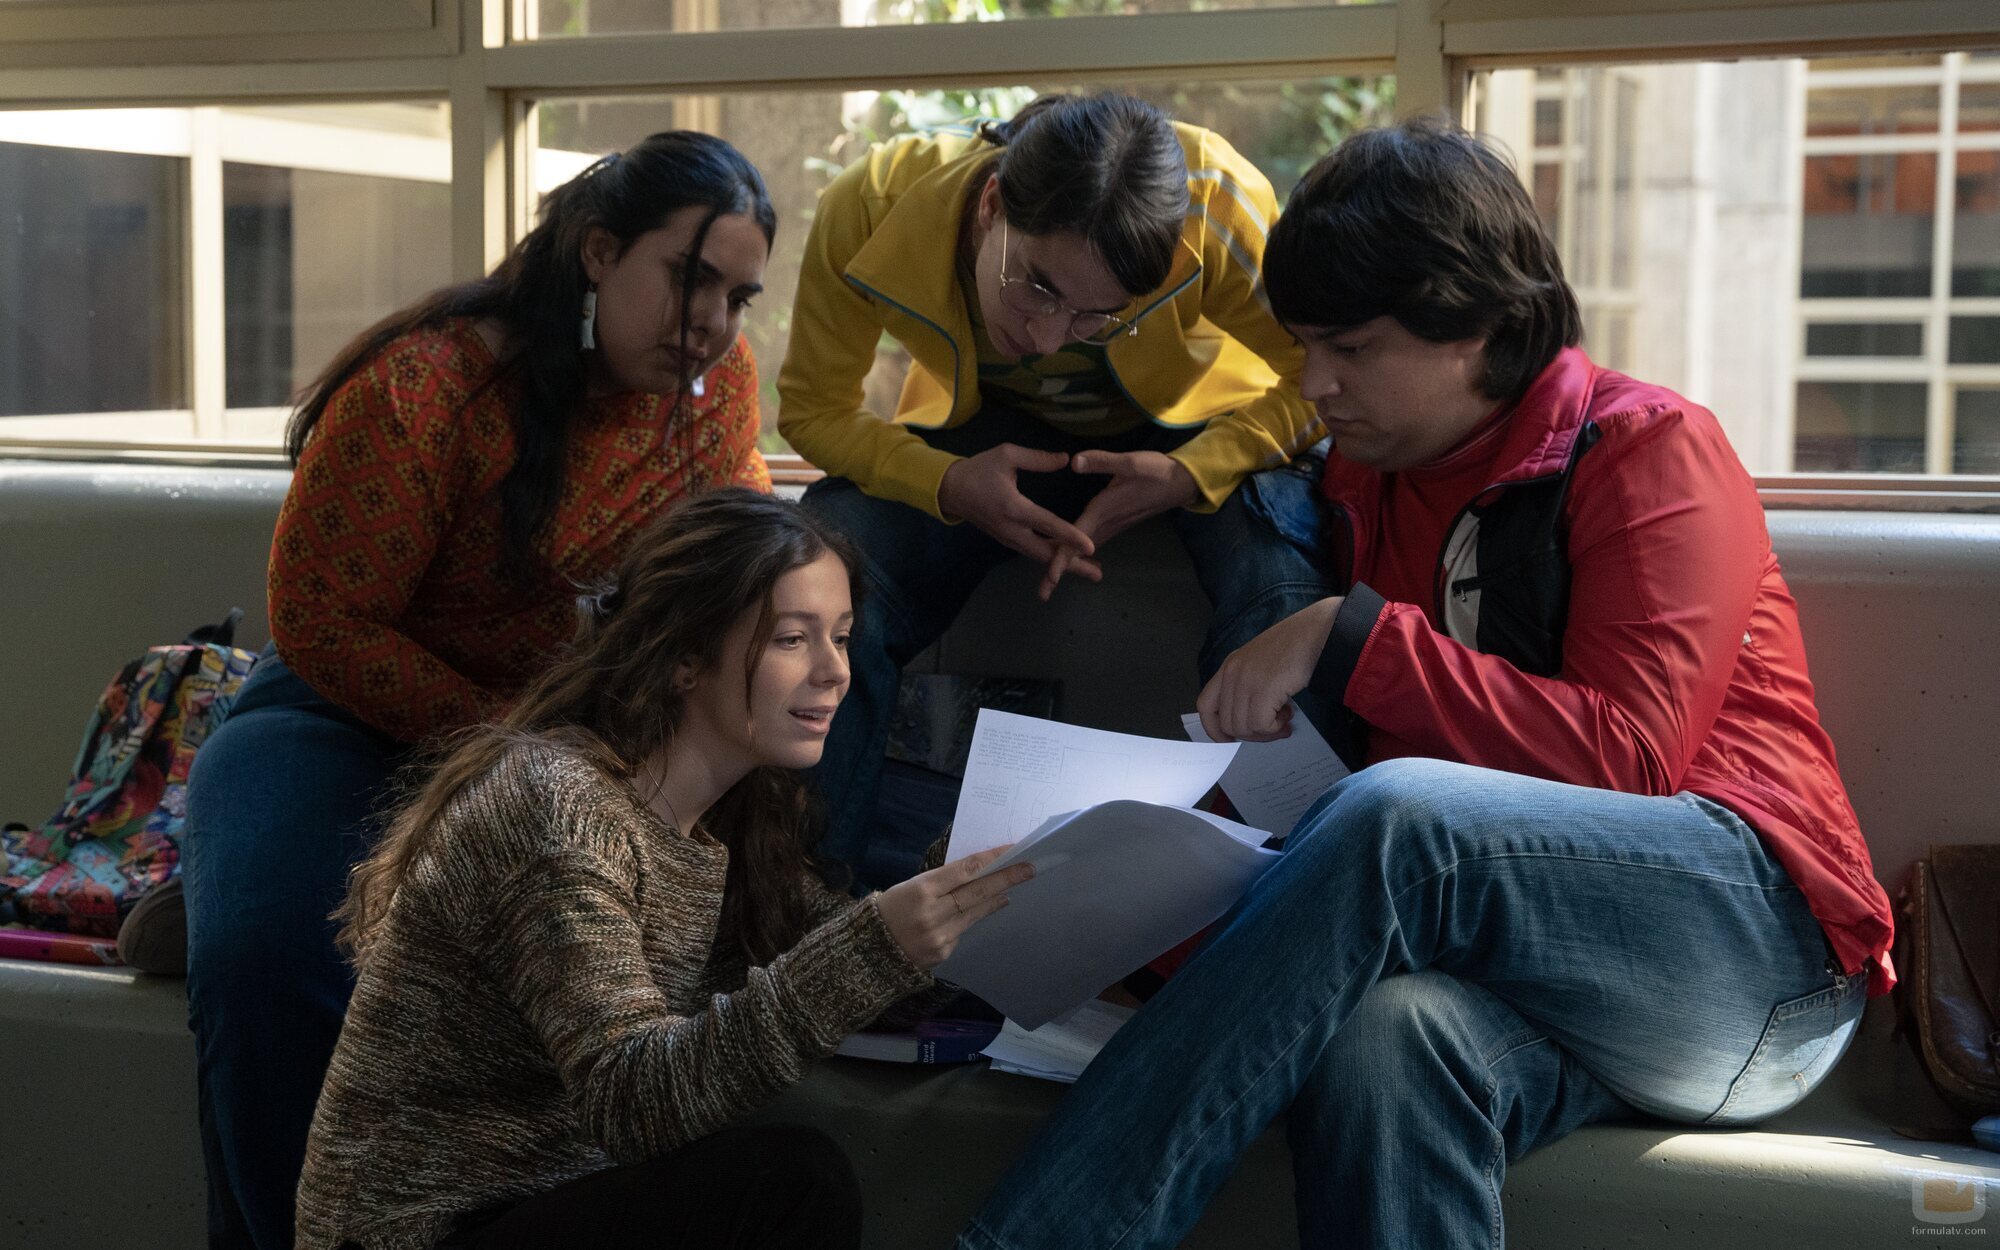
(1449, 967)
(285, 797)
(1257, 559)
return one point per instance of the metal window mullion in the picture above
(484, 147)
(1783, 437)
(1216, 44)
(1425, 82)
(1868, 145)
(207, 323)
(1714, 31)
(1847, 309)
(1566, 174)
(1602, 158)
(1938, 411)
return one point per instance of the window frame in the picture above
(469, 52)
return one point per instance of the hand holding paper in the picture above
(1273, 783)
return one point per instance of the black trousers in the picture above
(754, 1187)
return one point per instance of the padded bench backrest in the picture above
(98, 562)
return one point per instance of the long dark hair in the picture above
(1108, 167)
(537, 294)
(1428, 224)
(612, 697)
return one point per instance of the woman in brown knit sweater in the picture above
(594, 939)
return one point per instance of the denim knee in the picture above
(1419, 1016)
(1384, 799)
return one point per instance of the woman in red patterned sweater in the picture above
(463, 470)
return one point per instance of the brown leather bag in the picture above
(1949, 958)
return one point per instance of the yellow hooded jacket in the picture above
(882, 255)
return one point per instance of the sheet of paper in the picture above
(1024, 770)
(1114, 885)
(1273, 783)
(1061, 1049)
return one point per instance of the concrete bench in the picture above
(96, 562)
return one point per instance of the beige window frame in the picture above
(184, 53)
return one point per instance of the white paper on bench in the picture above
(1114, 885)
(1273, 783)
(1061, 1049)
(1023, 770)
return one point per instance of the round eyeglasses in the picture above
(1036, 302)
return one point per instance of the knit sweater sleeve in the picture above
(368, 505)
(568, 953)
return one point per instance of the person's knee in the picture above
(1402, 1020)
(1398, 799)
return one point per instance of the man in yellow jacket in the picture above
(1080, 294)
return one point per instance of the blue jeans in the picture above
(1257, 559)
(1449, 967)
(285, 797)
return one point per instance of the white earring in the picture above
(590, 319)
(697, 388)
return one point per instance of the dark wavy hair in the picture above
(612, 697)
(1108, 167)
(1428, 224)
(537, 294)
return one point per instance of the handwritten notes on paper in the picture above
(1273, 783)
(1124, 867)
(1023, 771)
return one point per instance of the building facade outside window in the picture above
(1811, 248)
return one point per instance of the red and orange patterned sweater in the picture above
(385, 590)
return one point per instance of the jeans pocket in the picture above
(1801, 1042)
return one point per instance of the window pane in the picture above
(1897, 110)
(314, 255)
(563, 18)
(1975, 340)
(1860, 427)
(1864, 338)
(1976, 446)
(1979, 107)
(93, 280)
(1869, 222)
(1548, 123)
(800, 140)
(1975, 244)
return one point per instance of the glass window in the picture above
(800, 140)
(311, 259)
(186, 270)
(1765, 237)
(336, 216)
(1975, 341)
(1975, 241)
(93, 282)
(1890, 110)
(1978, 107)
(553, 19)
(1976, 446)
(1869, 222)
(1865, 338)
(1860, 427)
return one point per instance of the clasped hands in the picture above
(983, 491)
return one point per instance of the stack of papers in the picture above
(1124, 867)
(1060, 1050)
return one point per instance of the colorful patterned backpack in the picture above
(117, 834)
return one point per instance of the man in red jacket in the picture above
(1600, 862)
